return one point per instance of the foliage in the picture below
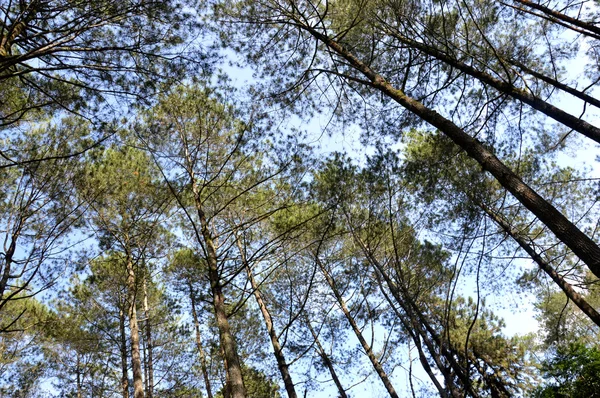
(572, 372)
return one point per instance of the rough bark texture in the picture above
(584, 247)
(136, 361)
(149, 359)
(277, 349)
(232, 363)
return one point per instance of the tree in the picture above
(203, 143)
(351, 42)
(37, 213)
(571, 373)
(215, 168)
(122, 189)
(74, 55)
(464, 193)
(416, 282)
(21, 363)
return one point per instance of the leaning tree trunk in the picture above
(565, 286)
(199, 344)
(581, 244)
(368, 350)
(326, 360)
(277, 349)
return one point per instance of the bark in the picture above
(416, 337)
(576, 93)
(562, 17)
(277, 349)
(434, 343)
(199, 344)
(79, 394)
(370, 354)
(327, 361)
(149, 360)
(7, 260)
(537, 103)
(414, 321)
(232, 363)
(123, 348)
(8, 35)
(565, 286)
(584, 247)
(136, 362)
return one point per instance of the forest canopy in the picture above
(285, 198)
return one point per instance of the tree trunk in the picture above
(79, 393)
(123, 348)
(277, 349)
(593, 29)
(232, 362)
(136, 362)
(584, 247)
(199, 344)
(326, 361)
(376, 364)
(539, 104)
(149, 360)
(565, 286)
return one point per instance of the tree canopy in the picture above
(268, 198)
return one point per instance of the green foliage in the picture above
(571, 373)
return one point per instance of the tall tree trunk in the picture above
(592, 30)
(277, 349)
(370, 354)
(199, 344)
(418, 327)
(581, 244)
(565, 286)
(326, 360)
(509, 89)
(149, 359)
(417, 335)
(123, 349)
(79, 390)
(232, 362)
(436, 346)
(136, 362)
